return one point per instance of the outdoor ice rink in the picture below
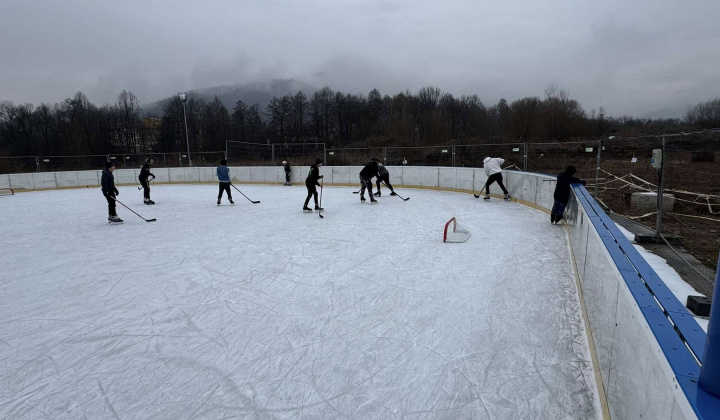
(260, 311)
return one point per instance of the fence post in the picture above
(272, 154)
(661, 191)
(324, 152)
(453, 155)
(164, 161)
(385, 155)
(710, 370)
(597, 168)
(525, 157)
(37, 163)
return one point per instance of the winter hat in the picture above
(284, 162)
(487, 159)
(318, 161)
(570, 170)
(109, 165)
(374, 160)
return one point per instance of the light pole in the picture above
(181, 95)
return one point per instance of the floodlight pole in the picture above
(183, 99)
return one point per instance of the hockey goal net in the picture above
(454, 233)
(6, 191)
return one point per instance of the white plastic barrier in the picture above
(5, 181)
(88, 178)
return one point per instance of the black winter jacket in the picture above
(145, 172)
(108, 183)
(313, 176)
(370, 170)
(562, 189)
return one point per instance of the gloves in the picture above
(117, 192)
(153, 176)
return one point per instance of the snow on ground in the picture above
(672, 279)
(262, 311)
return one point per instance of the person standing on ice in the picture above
(107, 183)
(494, 173)
(223, 174)
(383, 176)
(144, 174)
(366, 175)
(287, 172)
(312, 181)
(562, 193)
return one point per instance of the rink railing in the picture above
(647, 348)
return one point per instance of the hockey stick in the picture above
(254, 202)
(320, 204)
(147, 220)
(403, 199)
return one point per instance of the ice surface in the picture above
(260, 311)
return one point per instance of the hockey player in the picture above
(287, 172)
(494, 173)
(110, 192)
(383, 176)
(223, 174)
(311, 182)
(144, 174)
(366, 175)
(562, 193)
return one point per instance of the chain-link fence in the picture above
(354, 156)
(472, 155)
(71, 163)
(298, 153)
(240, 153)
(18, 164)
(420, 156)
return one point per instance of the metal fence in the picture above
(259, 154)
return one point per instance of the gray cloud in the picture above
(629, 57)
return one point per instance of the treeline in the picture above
(430, 116)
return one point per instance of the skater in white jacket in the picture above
(494, 173)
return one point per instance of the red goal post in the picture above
(454, 233)
(7, 191)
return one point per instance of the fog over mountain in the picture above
(644, 57)
(252, 93)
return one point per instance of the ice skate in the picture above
(114, 220)
(362, 199)
(307, 209)
(231, 202)
(372, 200)
(507, 197)
(377, 194)
(393, 193)
(318, 208)
(487, 197)
(218, 202)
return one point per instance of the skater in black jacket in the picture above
(110, 192)
(144, 174)
(562, 193)
(287, 172)
(383, 176)
(311, 182)
(367, 173)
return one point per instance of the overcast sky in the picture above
(630, 57)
